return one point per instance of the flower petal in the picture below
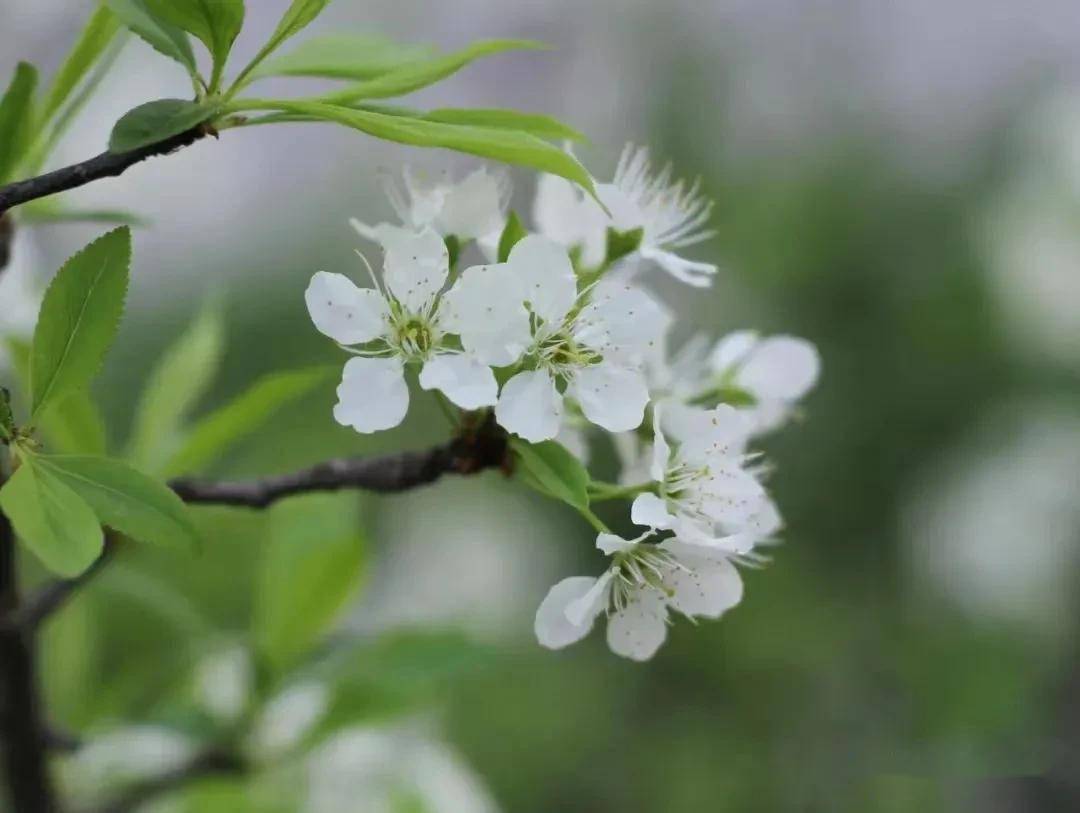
(622, 318)
(651, 511)
(466, 381)
(372, 394)
(530, 406)
(696, 274)
(486, 308)
(563, 214)
(547, 276)
(554, 629)
(612, 396)
(782, 367)
(717, 433)
(610, 544)
(473, 207)
(661, 449)
(640, 627)
(415, 267)
(704, 588)
(345, 313)
(732, 350)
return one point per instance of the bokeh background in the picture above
(897, 182)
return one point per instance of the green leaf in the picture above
(7, 420)
(509, 146)
(125, 499)
(550, 469)
(160, 35)
(343, 56)
(51, 519)
(178, 380)
(74, 425)
(310, 567)
(208, 439)
(417, 75)
(534, 123)
(622, 243)
(95, 38)
(79, 317)
(297, 17)
(215, 22)
(155, 121)
(511, 234)
(17, 118)
(48, 211)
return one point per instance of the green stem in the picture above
(601, 492)
(447, 409)
(595, 521)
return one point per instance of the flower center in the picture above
(560, 354)
(640, 567)
(414, 337)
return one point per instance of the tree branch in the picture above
(106, 165)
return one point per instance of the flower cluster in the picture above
(556, 333)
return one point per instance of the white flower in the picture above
(590, 344)
(671, 215)
(389, 326)
(705, 492)
(643, 583)
(287, 719)
(473, 208)
(223, 683)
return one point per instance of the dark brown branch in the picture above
(212, 762)
(106, 165)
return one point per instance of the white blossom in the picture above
(644, 582)
(392, 325)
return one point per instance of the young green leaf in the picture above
(311, 564)
(178, 380)
(550, 469)
(52, 520)
(74, 425)
(511, 234)
(160, 35)
(124, 499)
(509, 146)
(155, 121)
(96, 36)
(297, 17)
(17, 118)
(343, 56)
(622, 243)
(79, 317)
(534, 123)
(215, 22)
(208, 439)
(416, 75)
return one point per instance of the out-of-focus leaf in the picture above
(535, 123)
(343, 56)
(509, 146)
(179, 379)
(210, 437)
(160, 35)
(47, 211)
(74, 425)
(310, 566)
(17, 118)
(215, 22)
(125, 499)
(421, 74)
(156, 121)
(96, 36)
(79, 317)
(297, 17)
(622, 243)
(550, 469)
(511, 234)
(51, 519)
(7, 420)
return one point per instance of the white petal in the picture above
(485, 307)
(466, 381)
(716, 433)
(651, 511)
(372, 395)
(345, 313)
(562, 213)
(574, 439)
(626, 214)
(661, 450)
(621, 317)
(706, 589)
(611, 544)
(681, 421)
(612, 396)
(473, 207)
(547, 275)
(530, 406)
(415, 268)
(639, 629)
(781, 367)
(732, 350)
(697, 274)
(582, 610)
(553, 628)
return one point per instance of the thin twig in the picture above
(106, 165)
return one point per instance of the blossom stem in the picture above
(595, 521)
(448, 410)
(601, 492)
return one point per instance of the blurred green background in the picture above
(913, 645)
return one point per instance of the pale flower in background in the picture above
(644, 582)
(287, 719)
(122, 756)
(223, 682)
